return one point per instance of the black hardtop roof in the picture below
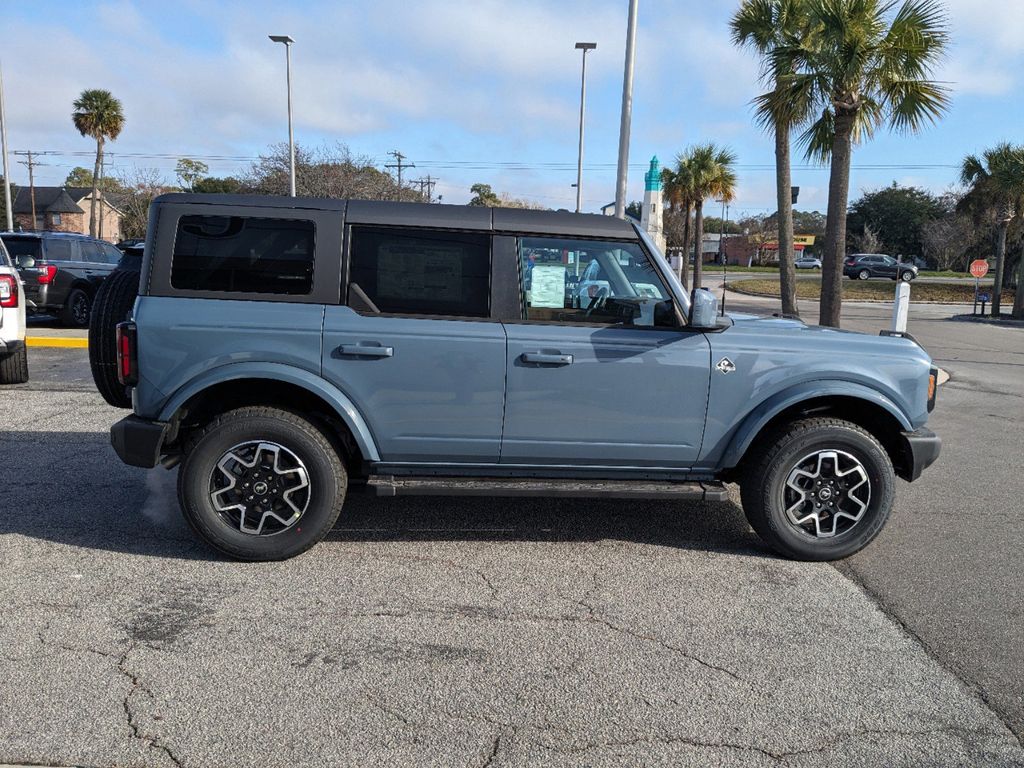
(428, 215)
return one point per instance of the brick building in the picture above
(65, 209)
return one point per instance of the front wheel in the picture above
(261, 484)
(818, 489)
(908, 276)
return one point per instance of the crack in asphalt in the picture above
(135, 685)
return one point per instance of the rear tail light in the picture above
(933, 388)
(8, 291)
(127, 354)
(47, 275)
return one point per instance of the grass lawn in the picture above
(872, 290)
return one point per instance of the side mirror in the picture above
(24, 262)
(703, 309)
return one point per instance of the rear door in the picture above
(415, 348)
(598, 371)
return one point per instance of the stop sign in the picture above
(979, 268)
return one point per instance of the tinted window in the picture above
(59, 249)
(23, 246)
(4, 258)
(91, 251)
(415, 272)
(589, 281)
(239, 254)
(113, 254)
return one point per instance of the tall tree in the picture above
(862, 68)
(678, 184)
(711, 175)
(772, 28)
(190, 172)
(996, 185)
(99, 115)
(483, 195)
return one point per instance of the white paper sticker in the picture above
(547, 286)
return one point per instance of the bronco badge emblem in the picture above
(725, 365)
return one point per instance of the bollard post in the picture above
(901, 307)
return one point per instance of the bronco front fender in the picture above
(333, 396)
(738, 442)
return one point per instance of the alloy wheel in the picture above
(826, 493)
(260, 487)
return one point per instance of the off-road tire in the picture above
(14, 367)
(767, 469)
(68, 313)
(327, 479)
(114, 301)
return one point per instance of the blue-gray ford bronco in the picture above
(285, 351)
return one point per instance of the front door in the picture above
(597, 372)
(415, 349)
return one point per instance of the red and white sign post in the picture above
(979, 269)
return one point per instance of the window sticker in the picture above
(548, 286)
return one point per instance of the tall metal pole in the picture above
(627, 113)
(291, 133)
(7, 172)
(585, 47)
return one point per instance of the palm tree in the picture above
(679, 193)
(860, 71)
(772, 28)
(996, 185)
(97, 114)
(711, 174)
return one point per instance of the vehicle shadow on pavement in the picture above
(89, 499)
(700, 526)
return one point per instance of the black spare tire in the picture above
(112, 305)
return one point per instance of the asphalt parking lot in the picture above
(494, 632)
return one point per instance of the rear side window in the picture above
(59, 249)
(91, 251)
(241, 254)
(418, 272)
(5, 260)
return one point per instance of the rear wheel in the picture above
(77, 309)
(114, 300)
(863, 275)
(14, 367)
(818, 489)
(261, 484)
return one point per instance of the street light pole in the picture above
(585, 47)
(7, 173)
(627, 113)
(288, 41)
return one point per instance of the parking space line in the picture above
(67, 342)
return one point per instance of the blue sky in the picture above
(465, 90)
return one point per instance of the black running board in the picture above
(385, 485)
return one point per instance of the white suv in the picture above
(13, 355)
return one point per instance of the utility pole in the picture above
(627, 113)
(288, 41)
(7, 171)
(426, 186)
(99, 191)
(399, 165)
(31, 181)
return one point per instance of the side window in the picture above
(589, 281)
(91, 251)
(58, 249)
(240, 254)
(113, 255)
(420, 272)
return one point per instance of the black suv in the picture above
(61, 271)
(862, 266)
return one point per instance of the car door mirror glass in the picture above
(24, 262)
(704, 313)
